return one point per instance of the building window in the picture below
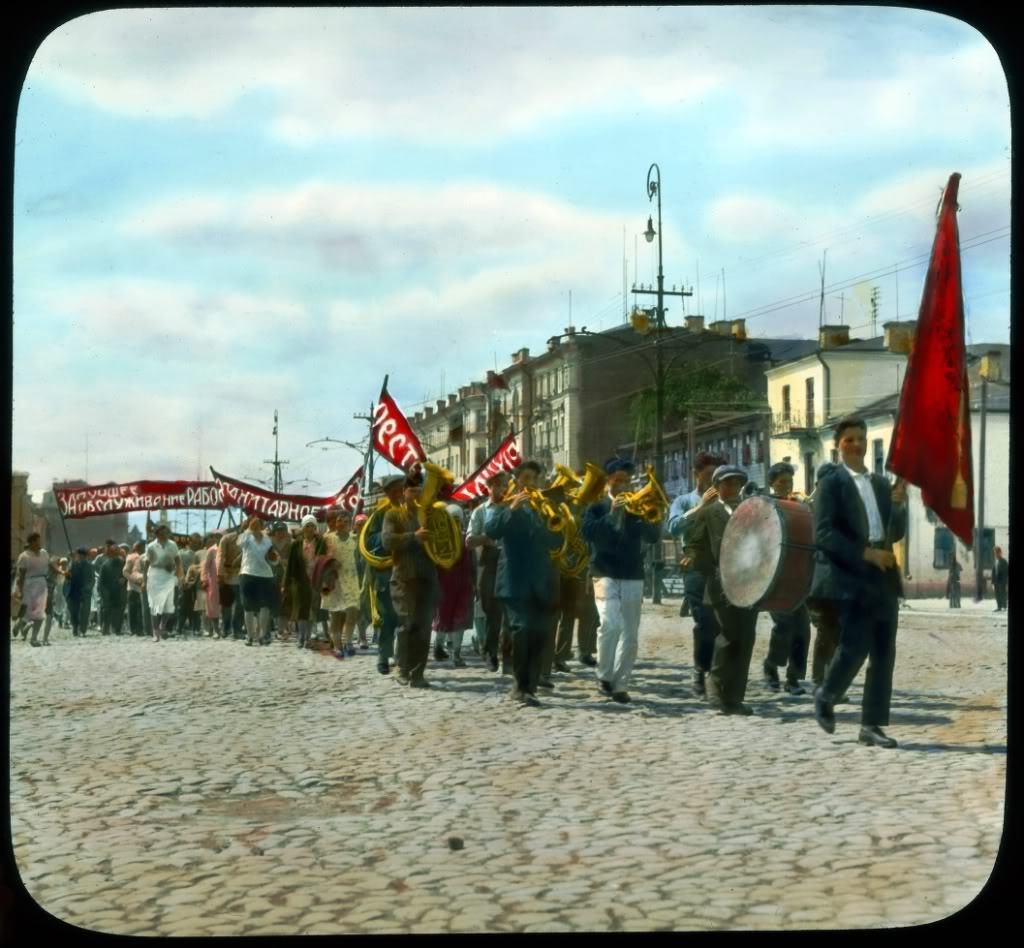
(760, 448)
(747, 459)
(808, 472)
(943, 548)
(565, 377)
(480, 455)
(878, 452)
(481, 419)
(785, 405)
(810, 403)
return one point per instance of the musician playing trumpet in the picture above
(616, 537)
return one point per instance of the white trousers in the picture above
(618, 606)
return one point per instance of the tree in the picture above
(693, 389)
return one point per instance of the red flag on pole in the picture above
(931, 443)
(393, 436)
(506, 458)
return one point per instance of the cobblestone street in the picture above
(197, 787)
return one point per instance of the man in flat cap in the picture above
(393, 487)
(680, 519)
(414, 583)
(734, 643)
(617, 539)
(791, 634)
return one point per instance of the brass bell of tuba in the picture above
(444, 545)
(377, 562)
(650, 503)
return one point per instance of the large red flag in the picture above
(393, 436)
(506, 458)
(256, 501)
(931, 443)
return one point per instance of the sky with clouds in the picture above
(220, 212)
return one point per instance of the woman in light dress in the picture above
(341, 600)
(162, 578)
(31, 572)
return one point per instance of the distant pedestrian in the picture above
(210, 588)
(135, 578)
(32, 570)
(455, 597)
(953, 584)
(300, 602)
(111, 581)
(188, 617)
(256, 582)
(340, 597)
(1001, 580)
(229, 566)
(79, 587)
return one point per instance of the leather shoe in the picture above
(700, 687)
(419, 683)
(606, 687)
(383, 668)
(588, 660)
(795, 688)
(743, 710)
(875, 736)
(440, 654)
(531, 702)
(547, 684)
(492, 663)
(771, 676)
(562, 667)
(621, 696)
(824, 714)
(401, 679)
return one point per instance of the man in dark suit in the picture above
(857, 518)
(526, 582)
(1000, 580)
(414, 585)
(393, 487)
(734, 642)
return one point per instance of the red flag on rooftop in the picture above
(931, 443)
(393, 436)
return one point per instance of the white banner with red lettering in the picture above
(78, 502)
(506, 458)
(258, 502)
(393, 436)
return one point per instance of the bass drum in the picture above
(767, 555)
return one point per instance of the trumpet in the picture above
(650, 503)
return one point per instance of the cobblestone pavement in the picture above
(199, 787)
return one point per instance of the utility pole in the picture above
(368, 460)
(277, 464)
(979, 541)
(875, 293)
(821, 301)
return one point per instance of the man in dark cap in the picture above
(414, 584)
(393, 488)
(734, 643)
(680, 519)
(526, 584)
(617, 539)
(791, 634)
(81, 579)
(857, 518)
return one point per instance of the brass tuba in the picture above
(574, 556)
(650, 503)
(444, 545)
(377, 562)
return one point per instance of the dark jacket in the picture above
(81, 579)
(297, 594)
(526, 570)
(111, 579)
(1001, 573)
(841, 536)
(703, 546)
(398, 537)
(617, 541)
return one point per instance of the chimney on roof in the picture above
(739, 329)
(552, 343)
(695, 323)
(832, 337)
(991, 365)
(721, 327)
(520, 356)
(441, 405)
(899, 337)
(427, 412)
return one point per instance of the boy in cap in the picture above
(617, 539)
(734, 643)
(791, 634)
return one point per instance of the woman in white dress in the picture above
(256, 582)
(32, 570)
(342, 599)
(162, 578)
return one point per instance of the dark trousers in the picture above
(231, 613)
(78, 612)
(529, 620)
(705, 623)
(953, 591)
(590, 619)
(730, 661)
(187, 614)
(1000, 589)
(415, 602)
(388, 624)
(113, 615)
(576, 607)
(135, 613)
(551, 617)
(868, 631)
(790, 642)
(825, 616)
(493, 610)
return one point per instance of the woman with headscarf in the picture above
(210, 589)
(300, 602)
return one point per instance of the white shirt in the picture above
(867, 495)
(728, 508)
(254, 555)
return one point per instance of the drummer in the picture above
(791, 634)
(734, 643)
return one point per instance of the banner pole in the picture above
(63, 523)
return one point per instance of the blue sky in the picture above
(221, 212)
